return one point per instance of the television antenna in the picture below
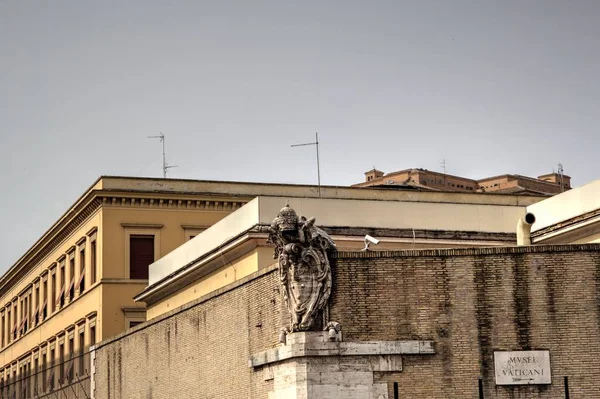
(443, 165)
(316, 143)
(165, 166)
(561, 172)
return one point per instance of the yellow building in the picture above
(75, 286)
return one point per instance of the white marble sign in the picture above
(522, 368)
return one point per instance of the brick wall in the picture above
(198, 351)
(470, 302)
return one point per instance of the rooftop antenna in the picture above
(165, 166)
(560, 176)
(443, 164)
(316, 143)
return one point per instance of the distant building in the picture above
(423, 179)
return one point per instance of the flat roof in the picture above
(565, 206)
(253, 189)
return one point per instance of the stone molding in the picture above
(315, 344)
(171, 203)
(24, 265)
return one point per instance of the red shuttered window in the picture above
(141, 255)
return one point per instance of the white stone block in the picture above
(354, 363)
(268, 373)
(359, 348)
(323, 365)
(324, 392)
(356, 392)
(426, 347)
(380, 391)
(351, 378)
(386, 363)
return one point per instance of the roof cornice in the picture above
(60, 230)
(92, 200)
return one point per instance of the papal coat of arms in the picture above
(303, 251)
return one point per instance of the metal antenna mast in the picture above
(560, 174)
(165, 166)
(316, 143)
(443, 164)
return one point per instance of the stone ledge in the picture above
(365, 348)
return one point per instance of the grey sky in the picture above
(492, 86)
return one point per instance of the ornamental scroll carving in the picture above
(304, 252)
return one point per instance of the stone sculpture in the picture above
(303, 251)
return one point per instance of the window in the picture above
(92, 335)
(44, 309)
(141, 255)
(53, 293)
(93, 261)
(71, 364)
(191, 231)
(35, 374)
(134, 316)
(8, 325)
(44, 366)
(134, 323)
(51, 375)
(71, 289)
(81, 283)
(25, 311)
(30, 311)
(61, 293)
(61, 362)
(22, 315)
(81, 352)
(2, 343)
(15, 322)
(36, 312)
(27, 378)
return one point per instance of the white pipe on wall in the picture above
(524, 229)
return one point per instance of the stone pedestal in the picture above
(312, 366)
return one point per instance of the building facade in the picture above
(76, 285)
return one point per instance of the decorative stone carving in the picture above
(303, 251)
(333, 329)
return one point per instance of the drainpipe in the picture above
(524, 229)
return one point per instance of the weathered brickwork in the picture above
(469, 302)
(472, 302)
(201, 351)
